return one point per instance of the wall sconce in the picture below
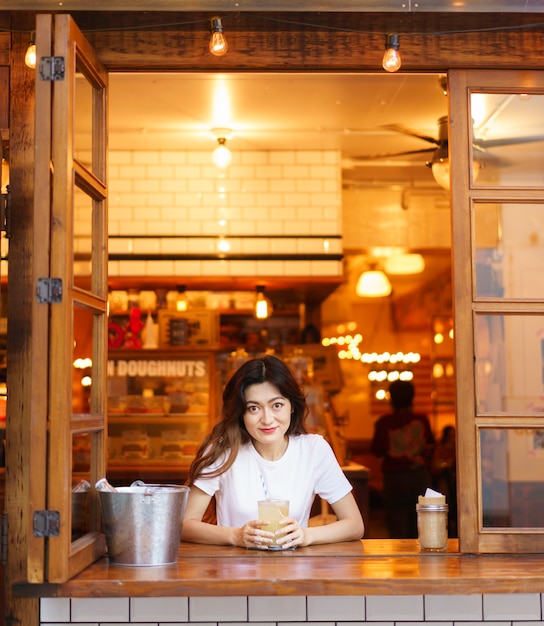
(391, 61)
(181, 300)
(373, 284)
(30, 56)
(218, 42)
(263, 306)
(222, 156)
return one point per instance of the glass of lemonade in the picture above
(273, 511)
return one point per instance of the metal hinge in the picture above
(49, 290)
(46, 523)
(4, 538)
(52, 68)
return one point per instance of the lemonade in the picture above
(273, 511)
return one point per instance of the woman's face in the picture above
(268, 414)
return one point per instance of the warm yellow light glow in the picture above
(82, 364)
(438, 370)
(439, 338)
(263, 306)
(30, 56)
(403, 264)
(181, 299)
(222, 156)
(223, 245)
(5, 175)
(391, 61)
(218, 42)
(373, 284)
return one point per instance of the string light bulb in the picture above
(263, 306)
(30, 56)
(391, 59)
(218, 42)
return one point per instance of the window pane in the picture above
(509, 250)
(508, 139)
(83, 213)
(83, 120)
(512, 477)
(509, 363)
(81, 455)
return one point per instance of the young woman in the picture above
(260, 449)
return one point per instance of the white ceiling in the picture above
(285, 111)
(268, 111)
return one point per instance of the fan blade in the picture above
(408, 131)
(392, 155)
(510, 141)
(486, 158)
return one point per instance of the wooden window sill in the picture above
(367, 567)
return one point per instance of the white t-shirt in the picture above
(307, 468)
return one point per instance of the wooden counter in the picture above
(367, 567)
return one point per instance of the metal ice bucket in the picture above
(143, 523)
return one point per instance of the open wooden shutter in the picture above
(497, 157)
(71, 174)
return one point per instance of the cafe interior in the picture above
(382, 131)
(380, 136)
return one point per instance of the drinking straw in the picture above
(266, 494)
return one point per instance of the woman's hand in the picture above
(251, 535)
(290, 535)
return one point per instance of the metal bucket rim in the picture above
(148, 488)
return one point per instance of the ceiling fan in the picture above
(439, 162)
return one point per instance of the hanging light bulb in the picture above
(391, 59)
(263, 306)
(181, 300)
(222, 156)
(218, 42)
(30, 56)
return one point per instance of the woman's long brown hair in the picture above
(230, 433)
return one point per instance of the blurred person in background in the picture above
(404, 441)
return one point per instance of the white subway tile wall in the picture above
(513, 609)
(295, 194)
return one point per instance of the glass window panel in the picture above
(83, 120)
(512, 477)
(83, 224)
(508, 139)
(81, 456)
(509, 363)
(82, 360)
(509, 250)
(85, 443)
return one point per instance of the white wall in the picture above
(516, 609)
